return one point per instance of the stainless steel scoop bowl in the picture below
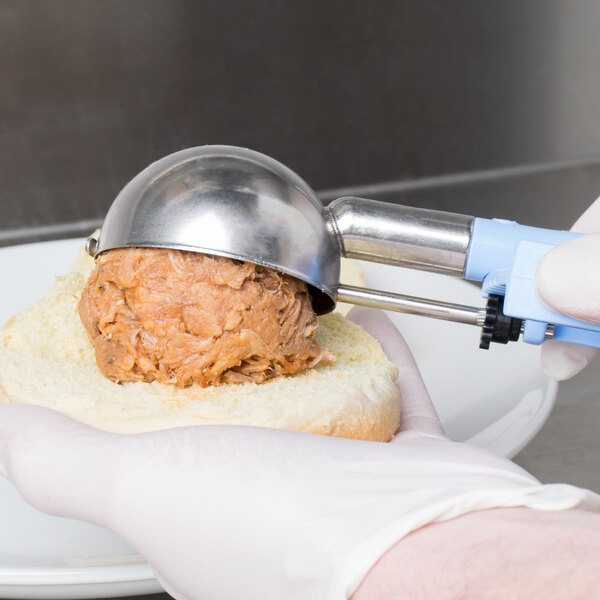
(231, 202)
(238, 203)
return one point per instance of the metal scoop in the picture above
(241, 204)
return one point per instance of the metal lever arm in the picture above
(445, 311)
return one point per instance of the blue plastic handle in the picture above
(504, 256)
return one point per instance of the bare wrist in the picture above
(497, 553)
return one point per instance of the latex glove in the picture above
(225, 512)
(568, 280)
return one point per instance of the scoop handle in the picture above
(418, 238)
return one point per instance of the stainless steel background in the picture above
(428, 103)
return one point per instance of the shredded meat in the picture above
(181, 318)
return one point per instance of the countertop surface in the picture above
(567, 449)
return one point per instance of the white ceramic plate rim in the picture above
(81, 575)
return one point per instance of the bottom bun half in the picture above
(47, 359)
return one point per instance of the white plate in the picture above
(498, 399)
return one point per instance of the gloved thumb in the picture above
(568, 280)
(418, 412)
(59, 465)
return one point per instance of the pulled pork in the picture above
(180, 318)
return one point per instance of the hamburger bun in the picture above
(47, 359)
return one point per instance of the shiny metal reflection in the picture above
(230, 202)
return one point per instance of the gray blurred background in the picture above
(489, 108)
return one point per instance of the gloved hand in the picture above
(568, 280)
(229, 512)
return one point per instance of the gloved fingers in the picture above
(562, 361)
(568, 278)
(59, 465)
(589, 221)
(418, 412)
